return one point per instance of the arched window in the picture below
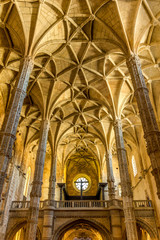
(119, 190)
(82, 182)
(28, 176)
(134, 166)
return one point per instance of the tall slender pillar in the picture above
(9, 127)
(147, 115)
(49, 210)
(52, 179)
(115, 213)
(127, 194)
(110, 176)
(37, 183)
(7, 197)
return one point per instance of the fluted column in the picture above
(37, 183)
(9, 127)
(52, 179)
(110, 176)
(150, 126)
(127, 194)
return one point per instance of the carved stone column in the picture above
(127, 195)
(52, 179)
(9, 127)
(37, 183)
(110, 176)
(150, 126)
(48, 223)
(7, 197)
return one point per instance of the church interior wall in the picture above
(82, 73)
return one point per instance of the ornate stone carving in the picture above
(52, 180)
(110, 177)
(37, 182)
(9, 127)
(150, 126)
(125, 183)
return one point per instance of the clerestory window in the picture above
(25, 193)
(134, 166)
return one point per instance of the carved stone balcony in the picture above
(143, 208)
(92, 210)
(143, 204)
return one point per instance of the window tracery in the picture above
(82, 182)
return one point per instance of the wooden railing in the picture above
(81, 204)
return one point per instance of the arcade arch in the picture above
(82, 229)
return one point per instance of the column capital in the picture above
(133, 57)
(117, 122)
(46, 122)
(134, 67)
(108, 155)
(28, 59)
(27, 64)
(61, 185)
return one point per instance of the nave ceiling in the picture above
(80, 80)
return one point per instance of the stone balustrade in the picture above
(23, 204)
(142, 203)
(77, 204)
(82, 204)
(57, 211)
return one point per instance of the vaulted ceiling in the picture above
(80, 80)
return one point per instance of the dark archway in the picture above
(144, 231)
(82, 226)
(17, 227)
(149, 229)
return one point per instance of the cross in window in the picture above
(82, 184)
